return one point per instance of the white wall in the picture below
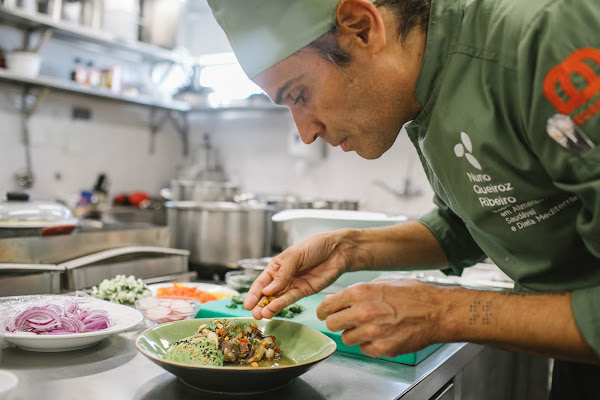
(67, 155)
(255, 151)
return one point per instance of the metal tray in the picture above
(17, 284)
(145, 262)
(141, 262)
(57, 249)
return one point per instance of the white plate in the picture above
(123, 318)
(205, 287)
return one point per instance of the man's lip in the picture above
(344, 144)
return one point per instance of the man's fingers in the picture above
(271, 281)
(257, 312)
(341, 320)
(333, 303)
(286, 299)
(263, 280)
(255, 292)
(282, 272)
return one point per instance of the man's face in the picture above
(360, 107)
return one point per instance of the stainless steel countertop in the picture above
(114, 369)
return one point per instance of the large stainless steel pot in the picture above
(220, 233)
(190, 190)
(280, 229)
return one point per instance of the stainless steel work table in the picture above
(114, 369)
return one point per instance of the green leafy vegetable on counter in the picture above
(235, 302)
(289, 312)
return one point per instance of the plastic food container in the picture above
(158, 310)
(253, 267)
(24, 63)
(238, 280)
(21, 217)
(305, 222)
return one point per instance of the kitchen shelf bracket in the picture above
(164, 74)
(179, 119)
(25, 179)
(45, 36)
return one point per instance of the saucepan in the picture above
(198, 190)
(220, 233)
(20, 217)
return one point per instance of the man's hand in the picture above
(301, 270)
(386, 317)
(310, 266)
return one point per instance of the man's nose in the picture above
(309, 128)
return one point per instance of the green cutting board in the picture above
(218, 309)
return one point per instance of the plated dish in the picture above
(227, 342)
(302, 346)
(122, 317)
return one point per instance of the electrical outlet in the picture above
(81, 113)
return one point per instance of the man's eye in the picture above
(299, 98)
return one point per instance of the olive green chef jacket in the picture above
(494, 71)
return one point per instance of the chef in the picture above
(491, 93)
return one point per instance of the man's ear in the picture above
(360, 24)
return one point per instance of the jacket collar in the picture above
(442, 34)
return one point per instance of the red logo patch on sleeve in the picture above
(575, 63)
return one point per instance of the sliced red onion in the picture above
(36, 318)
(97, 325)
(54, 307)
(71, 307)
(55, 320)
(72, 324)
(40, 320)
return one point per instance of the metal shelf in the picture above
(240, 109)
(30, 21)
(72, 87)
(161, 111)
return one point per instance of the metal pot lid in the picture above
(224, 206)
(18, 211)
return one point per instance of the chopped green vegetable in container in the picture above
(121, 289)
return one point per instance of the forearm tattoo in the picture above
(479, 313)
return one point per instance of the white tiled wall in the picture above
(67, 155)
(256, 151)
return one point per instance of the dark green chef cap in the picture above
(264, 32)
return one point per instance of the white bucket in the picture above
(24, 63)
